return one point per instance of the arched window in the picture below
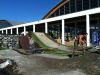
(72, 6)
(62, 10)
(79, 5)
(94, 3)
(86, 4)
(67, 8)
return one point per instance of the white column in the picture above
(63, 31)
(33, 28)
(88, 29)
(46, 27)
(2, 31)
(24, 30)
(6, 31)
(11, 31)
(17, 30)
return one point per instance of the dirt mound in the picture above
(10, 69)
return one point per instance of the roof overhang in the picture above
(55, 8)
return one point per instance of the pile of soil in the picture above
(10, 69)
(88, 63)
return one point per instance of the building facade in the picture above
(74, 25)
(65, 20)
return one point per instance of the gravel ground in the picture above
(88, 64)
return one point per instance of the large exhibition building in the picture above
(64, 21)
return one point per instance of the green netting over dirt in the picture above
(48, 50)
(35, 38)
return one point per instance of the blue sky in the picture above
(25, 10)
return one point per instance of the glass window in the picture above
(79, 5)
(0, 32)
(29, 28)
(67, 8)
(98, 25)
(99, 2)
(9, 31)
(20, 30)
(14, 30)
(72, 5)
(81, 26)
(94, 3)
(57, 13)
(54, 30)
(52, 15)
(69, 31)
(4, 32)
(40, 27)
(85, 4)
(62, 10)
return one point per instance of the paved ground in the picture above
(88, 64)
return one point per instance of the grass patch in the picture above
(48, 50)
(61, 52)
(56, 52)
(2, 48)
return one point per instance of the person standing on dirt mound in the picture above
(82, 39)
(99, 40)
(95, 39)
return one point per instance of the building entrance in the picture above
(73, 27)
(95, 27)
